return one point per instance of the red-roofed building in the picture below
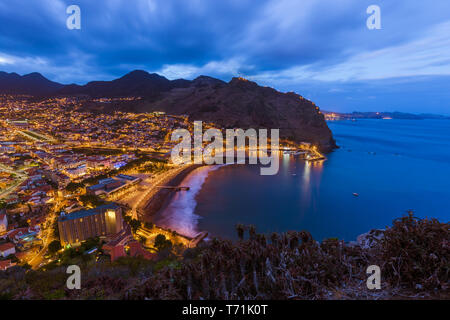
(17, 234)
(6, 264)
(39, 220)
(116, 246)
(117, 252)
(6, 249)
(136, 250)
(124, 240)
(22, 255)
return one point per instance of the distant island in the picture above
(381, 115)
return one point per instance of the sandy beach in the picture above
(155, 197)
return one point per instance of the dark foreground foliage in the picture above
(413, 255)
(416, 254)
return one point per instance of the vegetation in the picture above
(54, 246)
(78, 255)
(55, 229)
(145, 164)
(94, 180)
(134, 224)
(98, 151)
(161, 243)
(153, 167)
(413, 255)
(416, 254)
(149, 225)
(142, 239)
(91, 200)
(73, 187)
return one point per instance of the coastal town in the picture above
(76, 183)
(224, 160)
(60, 169)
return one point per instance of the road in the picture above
(47, 238)
(21, 178)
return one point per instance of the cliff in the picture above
(244, 104)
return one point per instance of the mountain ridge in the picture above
(31, 84)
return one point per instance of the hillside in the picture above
(135, 83)
(412, 255)
(237, 104)
(29, 84)
(243, 104)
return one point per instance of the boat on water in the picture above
(355, 194)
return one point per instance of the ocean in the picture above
(394, 166)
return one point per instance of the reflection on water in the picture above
(310, 187)
(404, 172)
(306, 174)
(179, 214)
(306, 187)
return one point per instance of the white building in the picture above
(6, 249)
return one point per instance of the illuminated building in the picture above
(81, 225)
(3, 221)
(113, 187)
(7, 249)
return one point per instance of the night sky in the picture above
(320, 49)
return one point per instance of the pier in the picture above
(198, 238)
(179, 188)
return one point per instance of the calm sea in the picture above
(394, 165)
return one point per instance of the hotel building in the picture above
(81, 225)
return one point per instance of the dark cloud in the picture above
(282, 43)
